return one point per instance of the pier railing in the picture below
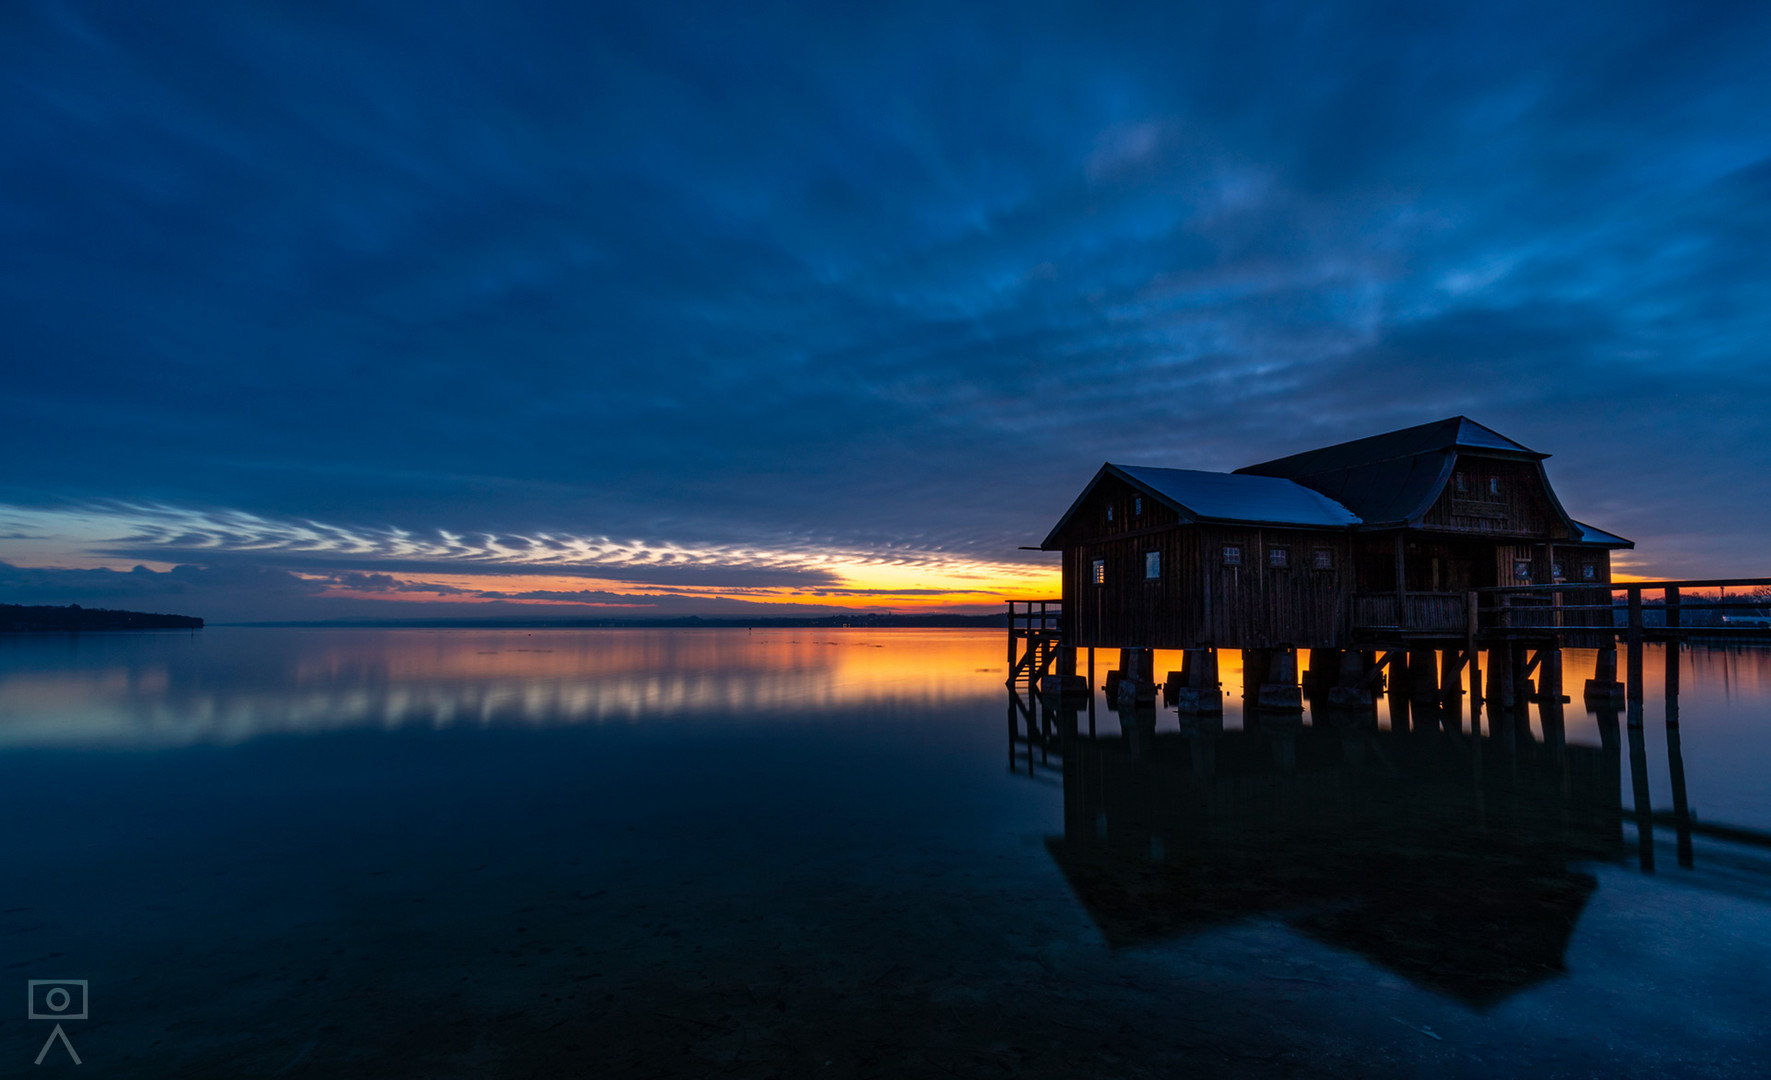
(1656, 610)
(1439, 611)
(1035, 628)
(1638, 610)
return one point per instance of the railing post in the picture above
(1634, 689)
(1672, 607)
(1401, 587)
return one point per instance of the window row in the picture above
(1522, 571)
(1137, 507)
(1464, 484)
(1278, 558)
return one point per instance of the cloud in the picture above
(691, 297)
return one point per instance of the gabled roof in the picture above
(1395, 477)
(1587, 535)
(1222, 497)
(1452, 433)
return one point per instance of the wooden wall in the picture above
(1199, 600)
(1470, 540)
(1521, 508)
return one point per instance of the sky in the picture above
(375, 310)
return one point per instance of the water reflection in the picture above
(1459, 859)
(227, 685)
(1397, 845)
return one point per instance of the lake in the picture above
(819, 853)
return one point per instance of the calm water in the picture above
(818, 853)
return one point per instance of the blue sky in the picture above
(311, 305)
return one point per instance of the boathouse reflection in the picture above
(1448, 858)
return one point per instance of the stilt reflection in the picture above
(1393, 844)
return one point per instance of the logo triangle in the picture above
(58, 1033)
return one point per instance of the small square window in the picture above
(1232, 555)
(1522, 570)
(1279, 558)
(1152, 565)
(1322, 559)
(1556, 572)
(1098, 572)
(1494, 485)
(1137, 505)
(1463, 484)
(1589, 572)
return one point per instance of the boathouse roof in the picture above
(1393, 478)
(1221, 497)
(1592, 537)
(1380, 482)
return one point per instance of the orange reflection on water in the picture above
(230, 684)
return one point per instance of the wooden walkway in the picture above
(1632, 610)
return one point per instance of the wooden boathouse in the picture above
(1396, 551)
(1387, 533)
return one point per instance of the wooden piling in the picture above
(1550, 698)
(1644, 812)
(1675, 755)
(1500, 676)
(1423, 675)
(1279, 686)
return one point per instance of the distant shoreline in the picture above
(28, 619)
(859, 622)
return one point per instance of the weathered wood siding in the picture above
(1198, 598)
(1521, 507)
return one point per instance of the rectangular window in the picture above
(1323, 559)
(1137, 505)
(1494, 485)
(1232, 555)
(1522, 570)
(1589, 572)
(1109, 511)
(1556, 572)
(1463, 484)
(1098, 572)
(1279, 558)
(1152, 565)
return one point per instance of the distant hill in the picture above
(74, 617)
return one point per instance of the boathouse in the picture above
(1387, 535)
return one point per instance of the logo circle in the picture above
(49, 999)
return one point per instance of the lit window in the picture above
(1137, 504)
(1098, 572)
(1232, 555)
(1323, 559)
(1589, 572)
(1494, 485)
(1522, 570)
(1279, 558)
(1556, 572)
(1109, 511)
(1463, 485)
(1152, 565)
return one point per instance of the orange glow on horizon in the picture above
(907, 587)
